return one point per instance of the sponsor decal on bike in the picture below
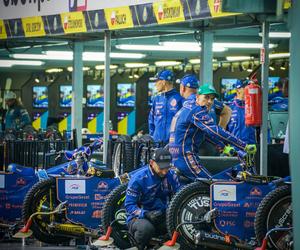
(255, 191)
(75, 187)
(284, 217)
(102, 185)
(97, 214)
(224, 192)
(2, 181)
(199, 202)
(227, 223)
(21, 182)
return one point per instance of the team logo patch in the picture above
(173, 103)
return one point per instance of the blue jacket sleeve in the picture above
(133, 194)
(25, 119)
(151, 119)
(205, 122)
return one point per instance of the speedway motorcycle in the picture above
(61, 208)
(218, 213)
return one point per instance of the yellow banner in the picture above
(287, 4)
(33, 26)
(73, 22)
(118, 18)
(170, 11)
(3, 34)
(215, 7)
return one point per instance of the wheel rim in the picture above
(193, 209)
(280, 215)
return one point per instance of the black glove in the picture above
(155, 217)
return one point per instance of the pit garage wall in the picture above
(22, 83)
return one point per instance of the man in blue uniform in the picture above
(189, 128)
(16, 116)
(165, 105)
(236, 125)
(147, 196)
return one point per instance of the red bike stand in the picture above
(171, 244)
(104, 240)
(25, 232)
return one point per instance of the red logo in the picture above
(102, 185)
(173, 103)
(113, 18)
(217, 4)
(21, 182)
(97, 214)
(255, 191)
(160, 13)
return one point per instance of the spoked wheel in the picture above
(123, 155)
(190, 204)
(42, 198)
(114, 209)
(275, 211)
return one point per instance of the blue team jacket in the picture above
(237, 126)
(16, 117)
(191, 125)
(148, 192)
(164, 107)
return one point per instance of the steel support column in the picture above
(77, 95)
(265, 90)
(294, 116)
(206, 66)
(106, 94)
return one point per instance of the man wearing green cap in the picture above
(190, 126)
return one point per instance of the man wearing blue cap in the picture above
(165, 105)
(236, 125)
(147, 196)
(190, 126)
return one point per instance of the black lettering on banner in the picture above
(172, 12)
(73, 24)
(121, 19)
(23, 2)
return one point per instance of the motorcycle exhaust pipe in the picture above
(218, 241)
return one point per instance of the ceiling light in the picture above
(166, 46)
(166, 63)
(283, 66)
(238, 58)
(136, 65)
(68, 56)
(102, 67)
(70, 69)
(250, 67)
(9, 63)
(54, 70)
(279, 55)
(136, 76)
(278, 34)
(131, 76)
(243, 45)
(37, 80)
(272, 67)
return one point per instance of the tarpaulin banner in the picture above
(81, 16)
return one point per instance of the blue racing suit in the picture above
(188, 130)
(165, 106)
(237, 126)
(147, 191)
(16, 118)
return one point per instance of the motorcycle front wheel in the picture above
(275, 211)
(42, 198)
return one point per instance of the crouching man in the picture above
(147, 197)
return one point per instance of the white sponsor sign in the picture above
(2, 181)
(11, 9)
(224, 192)
(75, 186)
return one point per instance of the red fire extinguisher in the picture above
(253, 112)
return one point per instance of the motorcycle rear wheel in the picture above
(42, 198)
(191, 203)
(114, 209)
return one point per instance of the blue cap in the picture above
(241, 84)
(166, 75)
(189, 81)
